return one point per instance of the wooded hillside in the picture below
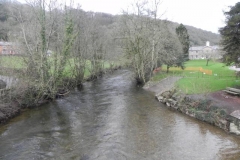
(198, 36)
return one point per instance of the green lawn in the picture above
(17, 62)
(68, 69)
(197, 82)
(216, 67)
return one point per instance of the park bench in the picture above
(233, 91)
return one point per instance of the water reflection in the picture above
(112, 119)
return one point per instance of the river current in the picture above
(112, 119)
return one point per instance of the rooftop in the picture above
(199, 48)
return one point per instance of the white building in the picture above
(204, 52)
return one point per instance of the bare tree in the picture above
(96, 46)
(47, 33)
(142, 32)
(170, 51)
(80, 46)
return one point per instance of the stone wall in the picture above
(199, 109)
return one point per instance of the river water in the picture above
(112, 119)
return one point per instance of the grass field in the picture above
(68, 69)
(17, 62)
(194, 81)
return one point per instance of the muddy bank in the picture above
(8, 111)
(13, 109)
(218, 108)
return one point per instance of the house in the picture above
(6, 48)
(205, 52)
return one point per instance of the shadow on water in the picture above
(111, 118)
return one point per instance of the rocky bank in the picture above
(212, 108)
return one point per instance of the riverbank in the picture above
(218, 108)
(9, 110)
(112, 118)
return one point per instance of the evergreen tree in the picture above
(231, 35)
(183, 36)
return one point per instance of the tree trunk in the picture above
(168, 68)
(207, 62)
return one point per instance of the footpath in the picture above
(217, 108)
(161, 86)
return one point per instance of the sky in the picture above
(204, 14)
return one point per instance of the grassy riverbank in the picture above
(199, 78)
(214, 108)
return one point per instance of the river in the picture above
(112, 119)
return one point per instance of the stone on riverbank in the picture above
(234, 129)
(214, 109)
(199, 109)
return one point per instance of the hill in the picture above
(198, 37)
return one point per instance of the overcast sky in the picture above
(204, 14)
